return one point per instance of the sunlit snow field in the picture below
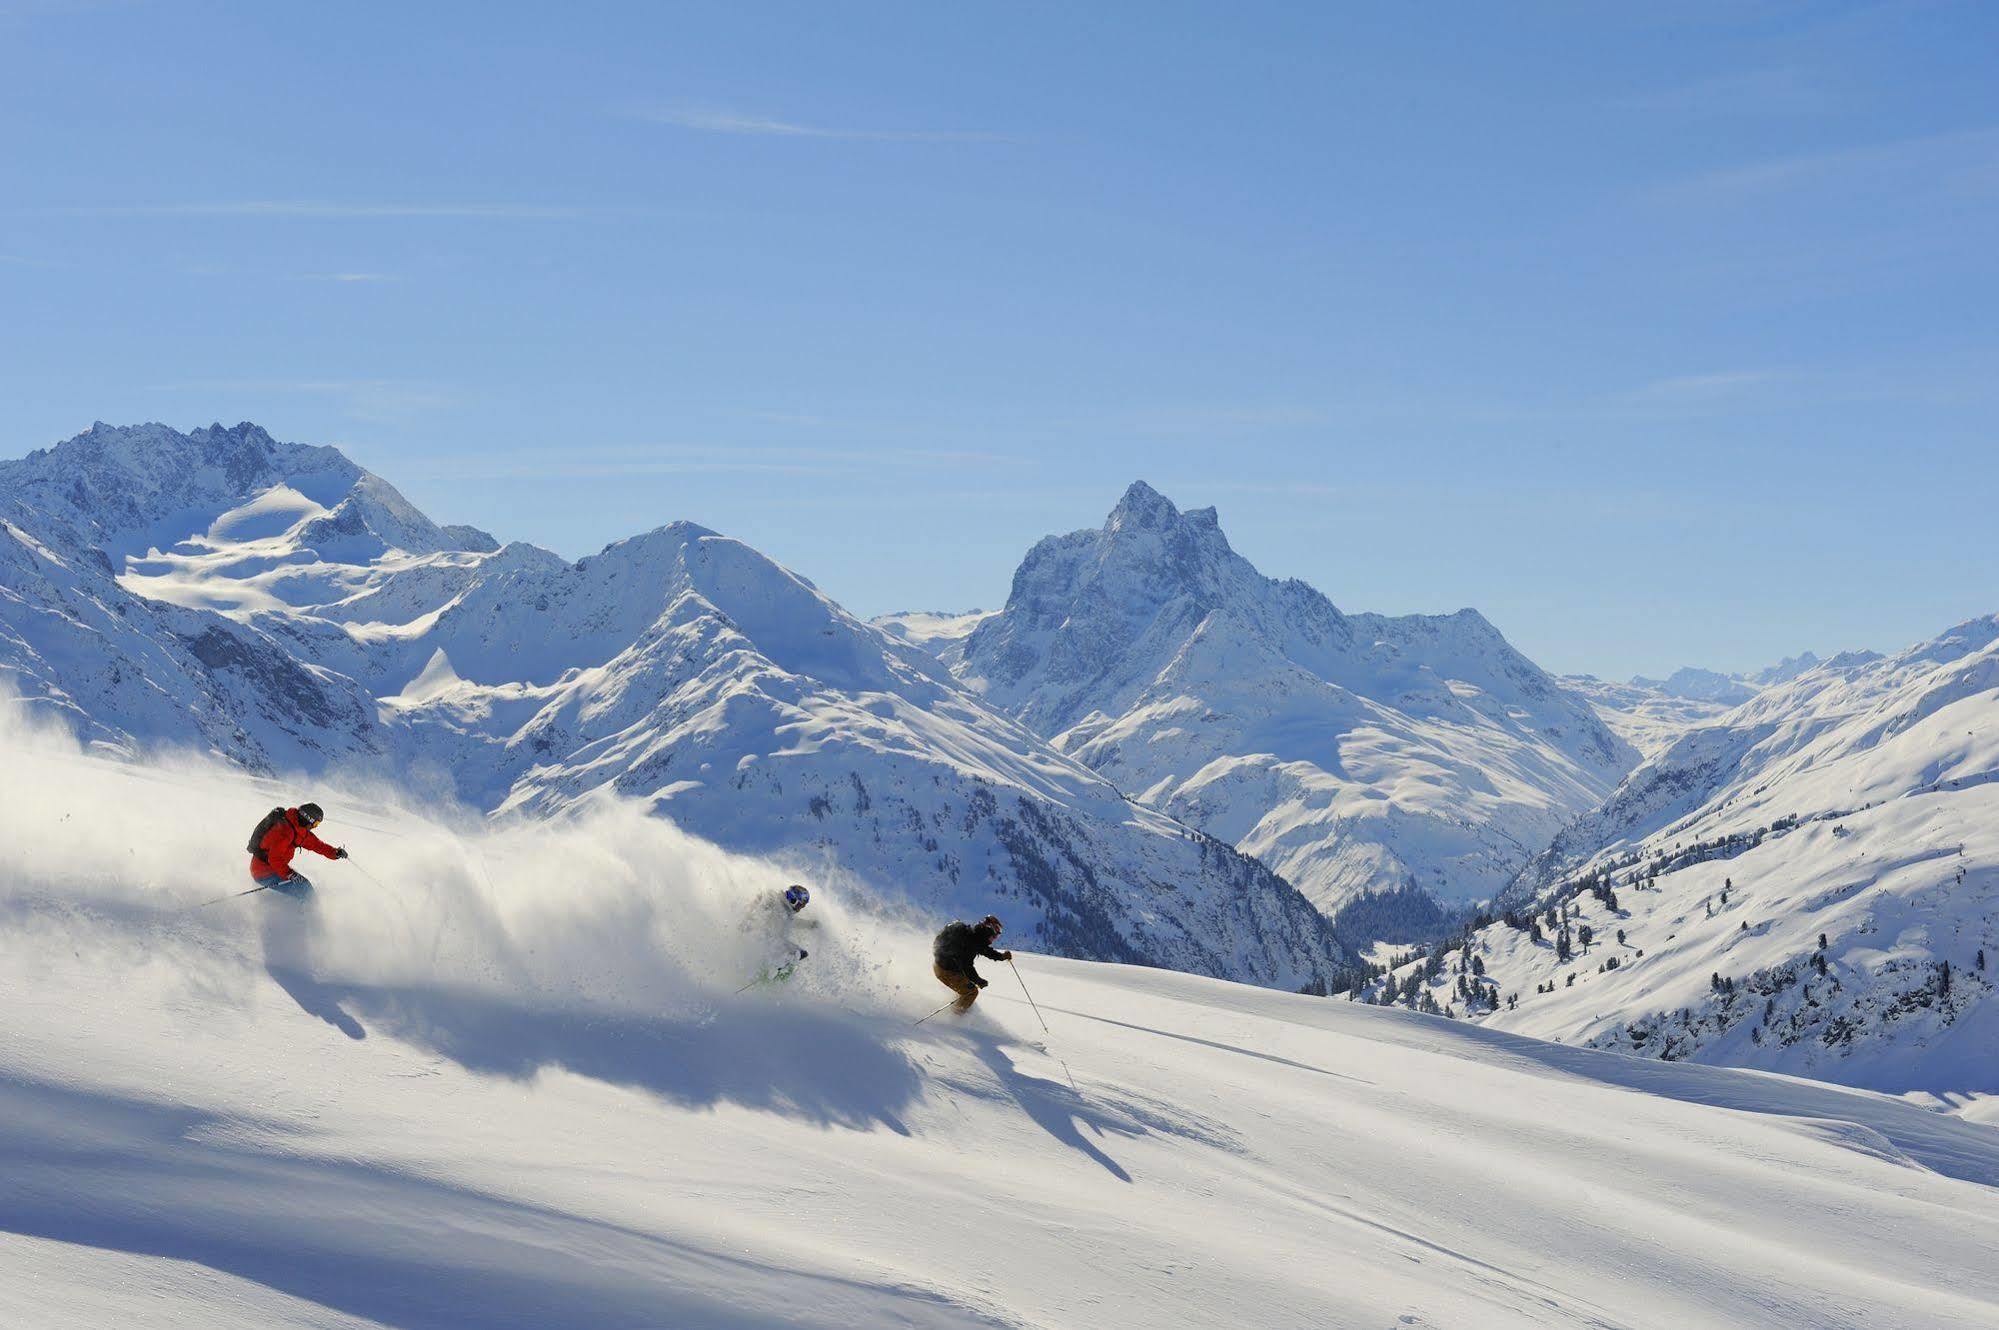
(499, 1077)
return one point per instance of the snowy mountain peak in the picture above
(1337, 748)
(151, 456)
(1706, 686)
(1145, 511)
(131, 489)
(1787, 669)
(1693, 684)
(1142, 507)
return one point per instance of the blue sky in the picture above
(1661, 334)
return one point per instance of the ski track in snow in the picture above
(501, 1081)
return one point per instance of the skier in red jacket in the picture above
(283, 833)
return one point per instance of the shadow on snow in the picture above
(122, 1174)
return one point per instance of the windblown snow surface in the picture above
(498, 1076)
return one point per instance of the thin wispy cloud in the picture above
(329, 211)
(372, 400)
(725, 459)
(1695, 389)
(572, 469)
(1781, 91)
(1965, 160)
(736, 122)
(1219, 419)
(1289, 489)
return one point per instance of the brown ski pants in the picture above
(962, 985)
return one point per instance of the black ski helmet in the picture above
(991, 924)
(312, 814)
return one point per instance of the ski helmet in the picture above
(991, 924)
(796, 897)
(311, 814)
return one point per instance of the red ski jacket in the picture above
(286, 837)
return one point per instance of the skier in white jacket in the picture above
(774, 921)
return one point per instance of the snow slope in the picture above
(1652, 714)
(1857, 803)
(1648, 718)
(283, 608)
(120, 670)
(1351, 753)
(941, 634)
(502, 1081)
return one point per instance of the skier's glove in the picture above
(980, 982)
(340, 853)
(1006, 955)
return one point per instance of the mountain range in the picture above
(284, 608)
(1151, 753)
(1808, 883)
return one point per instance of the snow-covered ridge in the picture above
(130, 489)
(1808, 884)
(1651, 714)
(289, 611)
(1352, 753)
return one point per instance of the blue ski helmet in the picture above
(796, 897)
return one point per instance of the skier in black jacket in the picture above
(956, 948)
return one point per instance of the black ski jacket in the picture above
(959, 945)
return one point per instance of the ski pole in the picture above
(938, 1012)
(1044, 1026)
(232, 896)
(1030, 998)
